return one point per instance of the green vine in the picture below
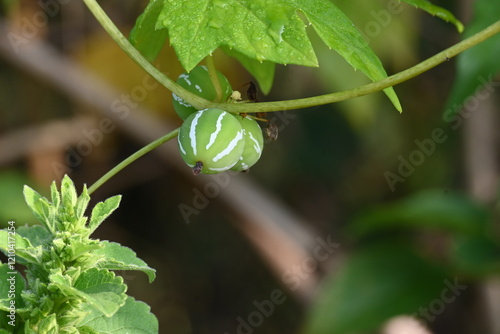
(263, 107)
(212, 71)
(201, 103)
(148, 148)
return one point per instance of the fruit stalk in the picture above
(151, 146)
(212, 71)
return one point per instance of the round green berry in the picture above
(254, 143)
(198, 82)
(211, 141)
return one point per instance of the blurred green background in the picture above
(413, 224)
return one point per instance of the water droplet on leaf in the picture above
(276, 32)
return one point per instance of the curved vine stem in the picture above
(136, 56)
(201, 103)
(151, 146)
(393, 80)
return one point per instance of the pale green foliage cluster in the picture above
(69, 286)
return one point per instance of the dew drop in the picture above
(276, 32)
(215, 23)
(260, 57)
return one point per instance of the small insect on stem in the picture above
(197, 168)
(272, 131)
(252, 92)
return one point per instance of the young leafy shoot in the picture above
(70, 286)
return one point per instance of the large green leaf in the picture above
(118, 257)
(339, 33)
(36, 234)
(477, 66)
(100, 289)
(429, 209)
(144, 36)
(265, 30)
(132, 318)
(437, 11)
(376, 283)
(259, 29)
(262, 71)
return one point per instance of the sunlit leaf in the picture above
(134, 317)
(102, 210)
(144, 36)
(263, 30)
(99, 288)
(118, 257)
(259, 29)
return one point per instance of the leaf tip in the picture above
(399, 108)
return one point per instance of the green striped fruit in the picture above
(211, 141)
(198, 82)
(254, 143)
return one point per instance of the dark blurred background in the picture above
(326, 177)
